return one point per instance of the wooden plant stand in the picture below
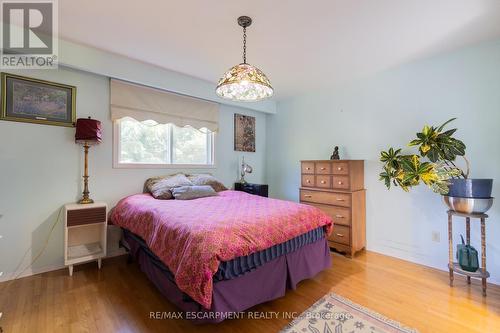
(481, 273)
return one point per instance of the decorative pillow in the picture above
(150, 182)
(162, 189)
(207, 179)
(193, 192)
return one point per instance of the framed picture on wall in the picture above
(36, 101)
(244, 133)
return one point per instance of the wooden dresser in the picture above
(337, 188)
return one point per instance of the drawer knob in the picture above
(340, 235)
(340, 183)
(338, 199)
(323, 168)
(339, 168)
(308, 168)
(308, 181)
(323, 182)
(307, 196)
(339, 216)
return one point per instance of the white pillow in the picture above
(193, 192)
(162, 189)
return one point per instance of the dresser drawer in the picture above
(324, 181)
(86, 216)
(308, 180)
(341, 182)
(327, 198)
(340, 168)
(323, 168)
(307, 168)
(339, 215)
(341, 234)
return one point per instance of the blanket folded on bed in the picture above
(192, 237)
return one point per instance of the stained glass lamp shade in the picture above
(244, 82)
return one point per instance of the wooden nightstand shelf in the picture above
(84, 233)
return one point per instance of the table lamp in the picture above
(88, 132)
(245, 168)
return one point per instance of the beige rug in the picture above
(335, 314)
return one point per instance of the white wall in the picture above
(370, 115)
(92, 60)
(41, 168)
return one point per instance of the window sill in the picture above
(162, 166)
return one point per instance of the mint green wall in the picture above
(41, 169)
(387, 109)
(92, 60)
(40, 166)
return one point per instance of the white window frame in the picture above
(211, 143)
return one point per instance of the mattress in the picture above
(238, 266)
(193, 237)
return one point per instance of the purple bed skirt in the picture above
(265, 283)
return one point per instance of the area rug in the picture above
(335, 314)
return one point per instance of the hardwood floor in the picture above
(119, 298)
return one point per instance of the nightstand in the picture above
(257, 189)
(84, 233)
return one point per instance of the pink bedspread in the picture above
(192, 237)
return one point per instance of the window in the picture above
(149, 144)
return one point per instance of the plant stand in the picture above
(481, 273)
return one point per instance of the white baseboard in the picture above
(49, 268)
(392, 253)
(400, 254)
(31, 271)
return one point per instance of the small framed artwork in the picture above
(36, 101)
(244, 133)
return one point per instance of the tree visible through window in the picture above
(148, 142)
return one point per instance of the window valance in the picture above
(144, 103)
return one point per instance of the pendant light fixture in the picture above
(244, 82)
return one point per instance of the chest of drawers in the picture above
(337, 188)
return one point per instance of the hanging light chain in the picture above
(244, 45)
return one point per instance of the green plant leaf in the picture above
(426, 130)
(438, 147)
(440, 128)
(449, 132)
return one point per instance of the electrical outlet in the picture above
(436, 237)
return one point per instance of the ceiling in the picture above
(300, 45)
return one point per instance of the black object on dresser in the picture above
(257, 189)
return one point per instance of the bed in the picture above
(220, 255)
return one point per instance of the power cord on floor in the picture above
(38, 254)
(34, 259)
(1, 273)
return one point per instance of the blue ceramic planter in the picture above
(470, 188)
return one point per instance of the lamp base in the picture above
(85, 201)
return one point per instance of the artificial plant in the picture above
(434, 165)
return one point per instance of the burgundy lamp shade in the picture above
(88, 130)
